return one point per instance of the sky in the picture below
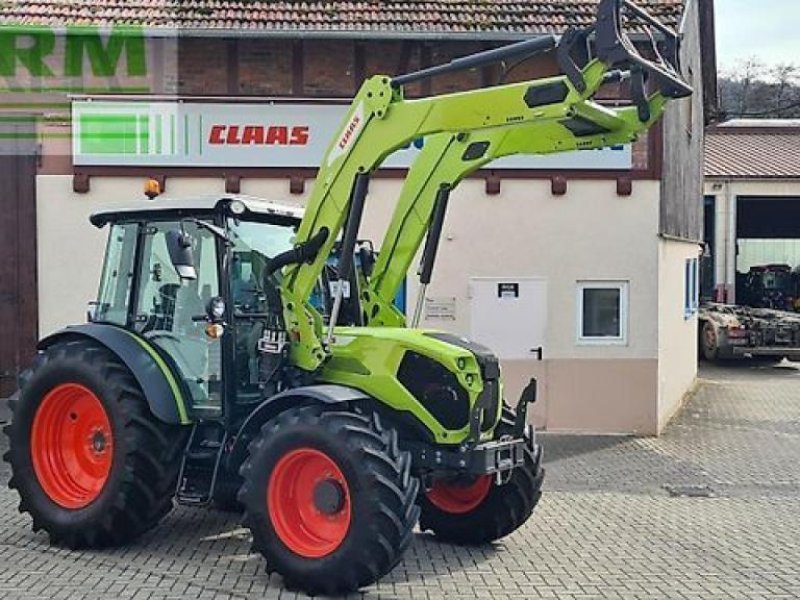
(767, 29)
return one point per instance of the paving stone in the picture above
(710, 510)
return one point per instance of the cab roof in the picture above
(186, 206)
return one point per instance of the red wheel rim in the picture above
(459, 499)
(308, 501)
(71, 445)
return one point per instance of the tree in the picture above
(752, 89)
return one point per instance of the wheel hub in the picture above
(99, 442)
(329, 496)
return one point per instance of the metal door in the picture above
(509, 315)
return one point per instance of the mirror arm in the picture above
(217, 231)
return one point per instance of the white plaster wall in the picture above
(677, 335)
(70, 251)
(753, 187)
(590, 233)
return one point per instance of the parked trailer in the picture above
(729, 332)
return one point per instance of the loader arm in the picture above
(554, 114)
(439, 169)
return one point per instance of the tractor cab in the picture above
(179, 273)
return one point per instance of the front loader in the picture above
(216, 368)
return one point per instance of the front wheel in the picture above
(329, 498)
(478, 510)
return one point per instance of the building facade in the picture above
(576, 268)
(752, 204)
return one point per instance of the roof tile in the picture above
(753, 151)
(413, 16)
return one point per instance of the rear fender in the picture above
(159, 383)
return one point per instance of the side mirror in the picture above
(179, 246)
(92, 310)
(215, 309)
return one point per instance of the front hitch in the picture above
(527, 398)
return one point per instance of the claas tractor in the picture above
(215, 368)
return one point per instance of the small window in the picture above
(603, 312)
(115, 282)
(691, 288)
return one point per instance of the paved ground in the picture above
(710, 510)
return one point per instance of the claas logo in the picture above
(349, 131)
(258, 135)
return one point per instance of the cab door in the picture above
(170, 311)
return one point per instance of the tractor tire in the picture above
(480, 511)
(329, 498)
(91, 464)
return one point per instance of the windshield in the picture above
(253, 245)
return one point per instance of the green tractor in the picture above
(216, 369)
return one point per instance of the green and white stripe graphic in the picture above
(128, 130)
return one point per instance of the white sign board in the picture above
(193, 134)
(441, 308)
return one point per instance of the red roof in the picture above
(753, 150)
(484, 18)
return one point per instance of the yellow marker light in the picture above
(152, 188)
(215, 331)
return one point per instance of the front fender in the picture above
(321, 394)
(159, 383)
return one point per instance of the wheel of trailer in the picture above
(709, 342)
(92, 465)
(329, 498)
(479, 510)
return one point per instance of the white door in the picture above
(509, 315)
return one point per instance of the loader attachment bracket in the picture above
(614, 46)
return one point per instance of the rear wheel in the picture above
(329, 498)
(478, 510)
(92, 465)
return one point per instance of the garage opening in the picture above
(768, 252)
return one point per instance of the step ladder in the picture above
(201, 463)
